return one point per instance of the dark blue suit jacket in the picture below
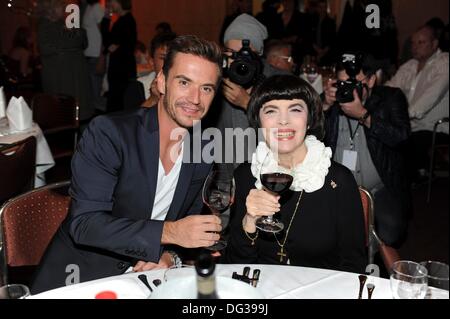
(114, 176)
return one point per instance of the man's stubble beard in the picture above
(172, 115)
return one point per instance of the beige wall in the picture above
(9, 22)
(205, 17)
(200, 17)
(410, 14)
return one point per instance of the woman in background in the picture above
(122, 62)
(64, 68)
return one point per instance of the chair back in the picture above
(433, 151)
(8, 78)
(389, 254)
(17, 168)
(58, 117)
(367, 204)
(55, 112)
(29, 222)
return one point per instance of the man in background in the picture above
(158, 52)
(424, 80)
(279, 55)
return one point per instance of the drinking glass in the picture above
(437, 278)
(275, 179)
(218, 195)
(14, 291)
(409, 280)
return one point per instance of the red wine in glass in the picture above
(218, 195)
(277, 182)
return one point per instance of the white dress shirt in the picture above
(147, 81)
(165, 188)
(427, 91)
(91, 19)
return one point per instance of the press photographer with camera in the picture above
(244, 67)
(365, 125)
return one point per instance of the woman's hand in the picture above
(259, 203)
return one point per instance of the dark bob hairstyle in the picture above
(287, 87)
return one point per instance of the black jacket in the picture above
(327, 230)
(390, 128)
(114, 177)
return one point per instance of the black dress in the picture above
(122, 63)
(327, 230)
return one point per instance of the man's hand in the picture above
(154, 96)
(164, 262)
(330, 94)
(192, 231)
(236, 94)
(354, 109)
(154, 89)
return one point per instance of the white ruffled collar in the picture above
(308, 175)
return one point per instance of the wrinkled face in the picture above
(189, 88)
(423, 45)
(158, 58)
(285, 123)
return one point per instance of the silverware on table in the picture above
(245, 277)
(143, 278)
(246, 272)
(157, 282)
(255, 279)
(362, 282)
(370, 289)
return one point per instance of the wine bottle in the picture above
(206, 279)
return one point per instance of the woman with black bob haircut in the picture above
(321, 211)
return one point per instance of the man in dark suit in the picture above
(134, 191)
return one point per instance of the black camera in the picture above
(247, 67)
(352, 65)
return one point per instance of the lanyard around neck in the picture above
(352, 133)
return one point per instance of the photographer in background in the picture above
(365, 126)
(244, 46)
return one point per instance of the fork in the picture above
(362, 282)
(370, 288)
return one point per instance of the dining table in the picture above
(44, 157)
(275, 282)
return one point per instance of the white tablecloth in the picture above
(44, 158)
(276, 282)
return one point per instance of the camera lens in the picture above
(242, 69)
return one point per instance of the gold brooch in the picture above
(333, 184)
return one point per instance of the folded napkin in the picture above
(2, 103)
(19, 115)
(315, 81)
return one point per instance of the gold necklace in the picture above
(282, 253)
